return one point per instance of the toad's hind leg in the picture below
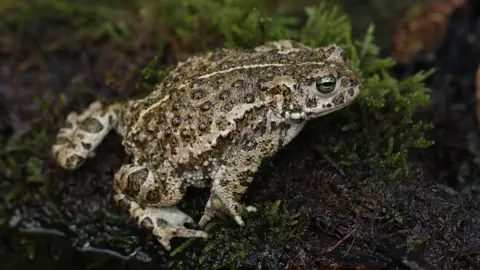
(81, 134)
(156, 213)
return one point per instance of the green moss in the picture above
(263, 242)
(90, 21)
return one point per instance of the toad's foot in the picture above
(165, 223)
(81, 134)
(227, 188)
(216, 206)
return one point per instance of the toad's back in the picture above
(210, 96)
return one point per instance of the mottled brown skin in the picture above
(210, 123)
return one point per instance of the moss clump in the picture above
(370, 139)
(263, 242)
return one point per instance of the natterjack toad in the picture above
(209, 123)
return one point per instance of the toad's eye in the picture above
(326, 84)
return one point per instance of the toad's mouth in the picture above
(309, 113)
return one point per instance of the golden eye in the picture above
(326, 84)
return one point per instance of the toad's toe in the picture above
(167, 223)
(216, 206)
(165, 234)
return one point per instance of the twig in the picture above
(341, 241)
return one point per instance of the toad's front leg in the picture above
(151, 202)
(232, 179)
(228, 186)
